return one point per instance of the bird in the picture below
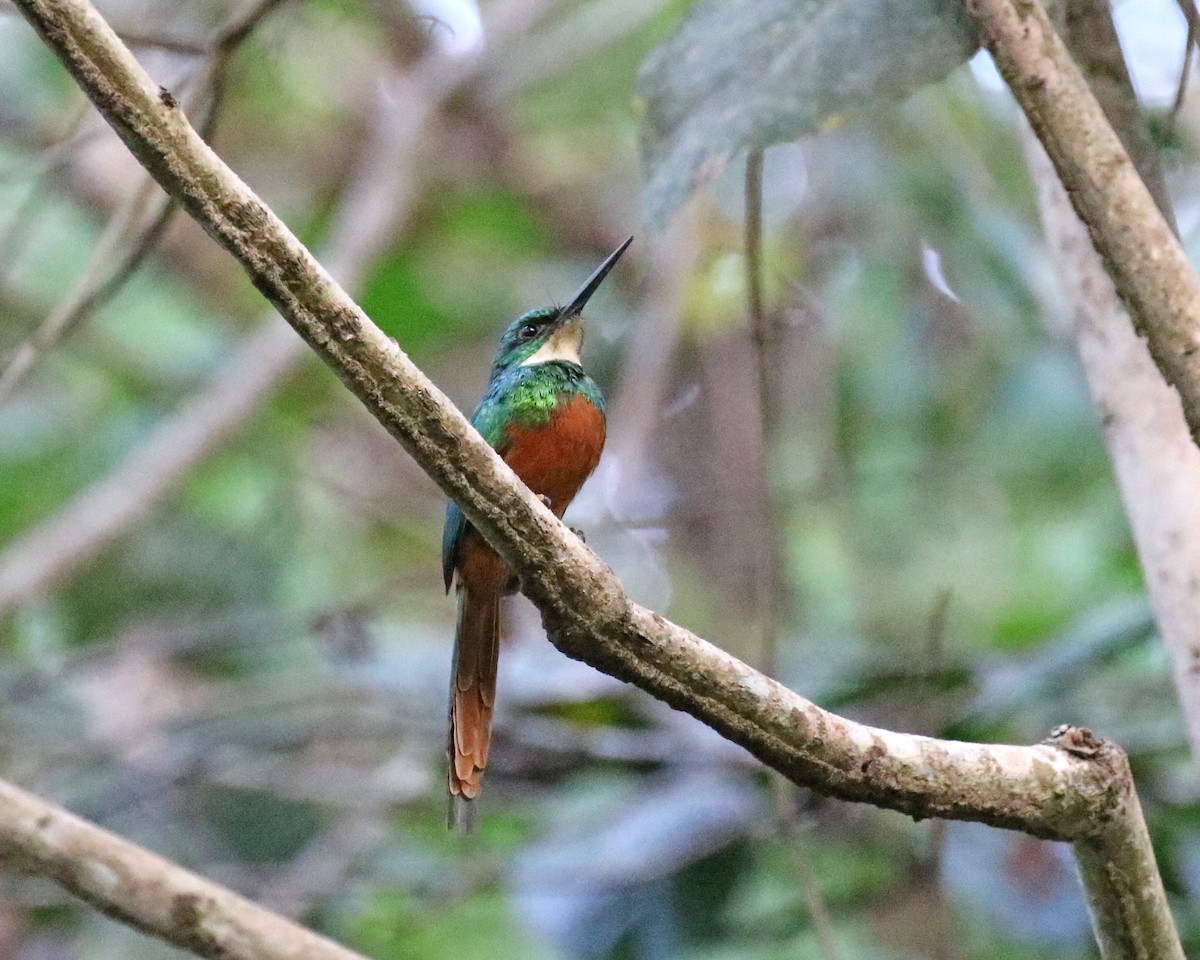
(545, 417)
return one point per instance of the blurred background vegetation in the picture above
(247, 671)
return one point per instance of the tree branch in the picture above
(374, 208)
(1151, 272)
(586, 609)
(52, 551)
(1157, 466)
(368, 217)
(1074, 787)
(133, 885)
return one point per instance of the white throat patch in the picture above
(563, 344)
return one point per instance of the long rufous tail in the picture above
(472, 698)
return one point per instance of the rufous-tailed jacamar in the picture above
(545, 417)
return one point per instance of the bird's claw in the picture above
(549, 506)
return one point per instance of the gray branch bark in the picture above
(1151, 272)
(374, 208)
(1156, 464)
(1073, 787)
(147, 892)
(370, 215)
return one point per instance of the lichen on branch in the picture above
(1056, 789)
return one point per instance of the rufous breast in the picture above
(555, 458)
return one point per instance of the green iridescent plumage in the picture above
(545, 417)
(519, 396)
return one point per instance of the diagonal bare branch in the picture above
(1073, 787)
(1188, 9)
(580, 598)
(1157, 467)
(1140, 252)
(94, 286)
(139, 888)
(99, 283)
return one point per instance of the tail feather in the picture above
(472, 697)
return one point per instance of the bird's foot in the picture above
(548, 503)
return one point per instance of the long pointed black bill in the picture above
(575, 307)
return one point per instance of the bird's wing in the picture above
(451, 535)
(491, 420)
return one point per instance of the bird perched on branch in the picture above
(545, 417)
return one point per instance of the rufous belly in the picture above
(553, 460)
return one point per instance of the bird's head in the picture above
(552, 333)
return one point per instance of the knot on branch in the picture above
(1077, 741)
(1113, 790)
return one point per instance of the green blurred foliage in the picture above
(251, 679)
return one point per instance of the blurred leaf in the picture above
(259, 826)
(739, 74)
(768, 901)
(598, 712)
(465, 280)
(398, 925)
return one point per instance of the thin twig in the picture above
(46, 159)
(1073, 786)
(137, 887)
(1188, 9)
(766, 357)
(935, 637)
(369, 216)
(23, 220)
(161, 41)
(794, 831)
(754, 240)
(1150, 270)
(95, 288)
(238, 32)
(771, 588)
(935, 654)
(90, 290)
(19, 229)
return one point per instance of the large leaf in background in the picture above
(738, 74)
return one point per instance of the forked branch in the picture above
(1148, 266)
(1071, 788)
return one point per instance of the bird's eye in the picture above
(529, 331)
